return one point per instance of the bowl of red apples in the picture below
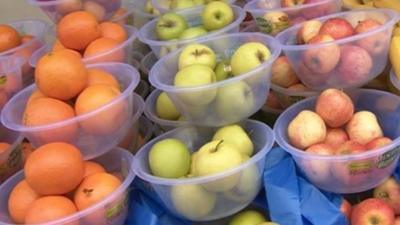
(343, 50)
(344, 142)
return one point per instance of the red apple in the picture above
(376, 43)
(335, 107)
(378, 143)
(372, 211)
(312, 79)
(350, 147)
(364, 127)
(389, 191)
(397, 221)
(318, 170)
(291, 3)
(355, 64)
(322, 60)
(272, 101)
(337, 28)
(309, 30)
(336, 137)
(346, 208)
(282, 73)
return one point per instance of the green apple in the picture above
(182, 4)
(149, 8)
(193, 32)
(217, 15)
(199, 2)
(165, 108)
(215, 157)
(197, 54)
(255, 54)
(234, 101)
(194, 76)
(235, 135)
(249, 217)
(192, 201)
(223, 70)
(170, 26)
(169, 158)
(167, 49)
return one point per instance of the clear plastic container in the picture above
(35, 28)
(226, 203)
(111, 210)
(395, 82)
(201, 105)
(10, 77)
(95, 132)
(141, 132)
(56, 9)
(250, 26)
(139, 15)
(150, 112)
(288, 97)
(11, 159)
(261, 10)
(345, 73)
(147, 63)
(356, 172)
(143, 89)
(148, 35)
(124, 15)
(162, 5)
(121, 53)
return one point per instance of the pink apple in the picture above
(376, 43)
(309, 30)
(378, 143)
(397, 221)
(318, 170)
(355, 64)
(282, 73)
(336, 137)
(291, 3)
(372, 211)
(337, 28)
(322, 59)
(389, 191)
(364, 127)
(273, 101)
(346, 208)
(350, 147)
(312, 79)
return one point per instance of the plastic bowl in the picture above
(11, 159)
(140, 133)
(350, 173)
(10, 77)
(121, 53)
(94, 133)
(143, 89)
(37, 29)
(250, 27)
(296, 14)
(56, 9)
(124, 15)
(162, 5)
(228, 202)
(150, 111)
(148, 35)
(395, 82)
(199, 104)
(139, 16)
(111, 210)
(344, 75)
(148, 62)
(287, 97)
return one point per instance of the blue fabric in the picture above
(397, 172)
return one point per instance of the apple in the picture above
(372, 211)
(234, 101)
(350, 147)
(375, 44)
(273, 22)
(95, 8)
(249, 217)
(378, 143)
(335, 137)
(309, 30)
(223, 70)
(318, 170)
(310, 78)
(255, 54)
(169, 158)
(273, 101)
(215, 157)
(318, 10)
(389, 191)
(165, 108)
(217, 15)
(397, 221)
(149, 8)
(196, 75)
(237, 136)
(335, 107)
(337, 28)
(306, 129)
(192, 32)
(355, 64)
(167, 49)
(282, 73)
(182, 4)
(364, 127)
(322, 60)
(170, 26)
(192, 201)
(346, 208)
(197, 54)
(291, 3)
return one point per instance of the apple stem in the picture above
(260, 56)
(217, 146)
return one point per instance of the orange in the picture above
(20, 200)
(113, 31)
(107, 120)
(98, 76)
(61, 75)
(36, 94)
(57, 45)
(107, 48)
(4, 147)
(77, 29)
(55, 169)
(95, 9)
(93, 168)
(95, 188)
(118, 175)
(10, 83)
(50, 208)
(9, 37)
(119, 13)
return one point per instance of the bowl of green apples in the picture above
(219, 81)
(204, 174)
(164, 6)
(176, 29)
